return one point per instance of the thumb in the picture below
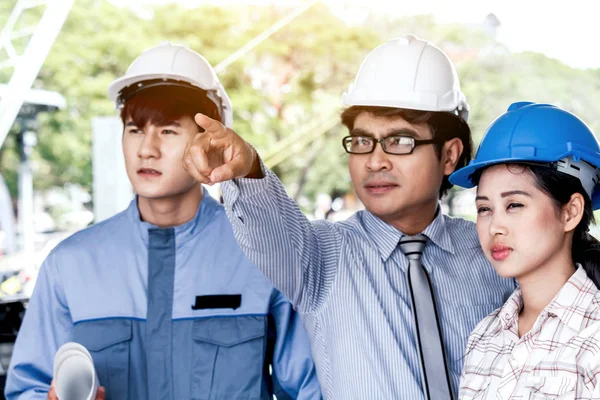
(101, 393)
(52, 393)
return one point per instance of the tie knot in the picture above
(412, 246)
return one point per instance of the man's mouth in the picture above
(148, 172)
(380, 187)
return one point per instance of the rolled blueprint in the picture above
(75, 377)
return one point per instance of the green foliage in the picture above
(498, 78)
(288, 86)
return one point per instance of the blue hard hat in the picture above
(537, 133)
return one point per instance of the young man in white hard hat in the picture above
(161, 294)
(389, 296)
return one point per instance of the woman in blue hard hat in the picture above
(536, 173)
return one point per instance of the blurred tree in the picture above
(285, 92)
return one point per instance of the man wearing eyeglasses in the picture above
(389, 296)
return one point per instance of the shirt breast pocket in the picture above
(473, 388)
(108, 341)
(546, 387)
(228, 357)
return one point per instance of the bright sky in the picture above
(567, 30)
(563, 29)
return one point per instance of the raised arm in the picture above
(299, 257)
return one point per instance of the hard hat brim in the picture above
(463, 177)
(115, 88)
(461, 109)
(119, 84)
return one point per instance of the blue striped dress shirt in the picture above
(348, 281)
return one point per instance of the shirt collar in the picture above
(208, 206)
(569, 305)
(509, 312)
(385, 237)
(437, 232)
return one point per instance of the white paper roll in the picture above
(74, 373)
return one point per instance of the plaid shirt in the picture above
(559, 358)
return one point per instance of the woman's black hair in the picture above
(560, 187)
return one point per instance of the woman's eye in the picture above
(481, 210)
(514, 205)
(168, 132)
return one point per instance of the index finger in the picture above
(52, 393)
(211, 126)
(195, 159)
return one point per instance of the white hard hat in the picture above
(168, 64)
(411, 73)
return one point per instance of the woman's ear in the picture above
(573, 211)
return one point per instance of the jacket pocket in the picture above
(228, 357)
(108, 341)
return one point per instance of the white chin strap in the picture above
(587, 174)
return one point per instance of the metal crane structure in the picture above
(39, 38)
(23, 49)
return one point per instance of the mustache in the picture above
(379, 176)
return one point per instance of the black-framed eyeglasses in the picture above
(394, 144)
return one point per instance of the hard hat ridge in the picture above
(411, 73)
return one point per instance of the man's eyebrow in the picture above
(359, 132)
(394, 132)
(168, 123)
(172, 123)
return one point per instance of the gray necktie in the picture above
(435, 374)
